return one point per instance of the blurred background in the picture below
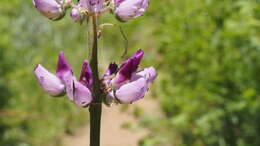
(207, 53)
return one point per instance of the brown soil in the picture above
(112, 132)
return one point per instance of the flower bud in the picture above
(128, 9)
(50, 8)
(76, 15)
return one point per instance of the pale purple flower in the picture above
(126, 84)
(52, 9)
(92, 5)
(129, 9)
(65, 82)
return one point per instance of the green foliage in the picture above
(209, 58)
(29, 116)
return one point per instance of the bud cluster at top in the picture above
(124, 10)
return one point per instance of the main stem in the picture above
(95, 108)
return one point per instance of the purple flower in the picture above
(128, 9)
(52, 9)
(92, 5)
(65, 82)
(126, 84)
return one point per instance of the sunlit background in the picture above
(207, 53)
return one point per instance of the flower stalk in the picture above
(118, 85)
(95, 108)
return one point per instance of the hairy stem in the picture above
(95, 108)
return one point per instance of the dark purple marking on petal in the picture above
(112, 68)
(86, 77)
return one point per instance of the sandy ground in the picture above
(112, 133)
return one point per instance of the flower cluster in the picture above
(121, 85)
(124, 10)
(65, 82)
(125, 84)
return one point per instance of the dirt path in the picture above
(112, 132)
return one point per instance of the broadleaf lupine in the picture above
(120, 85)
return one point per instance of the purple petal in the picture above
(148, 73)
(49, 8)
(112, 68)
(92, 5)
(82, 95)
(132, 91)
(64, 72)
(86, 77)
(63, 67)
(128, 68)
(68, 80)
(49, 82)
(118, 2)
(129, 9)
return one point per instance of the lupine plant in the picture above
(118, 85)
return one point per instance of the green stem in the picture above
(95, 109)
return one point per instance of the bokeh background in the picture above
(207, 53)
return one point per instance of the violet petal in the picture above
(82, 95)
(63, 67)
(148, 73)
(132, 91)
(127, 69)
(49, 82)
